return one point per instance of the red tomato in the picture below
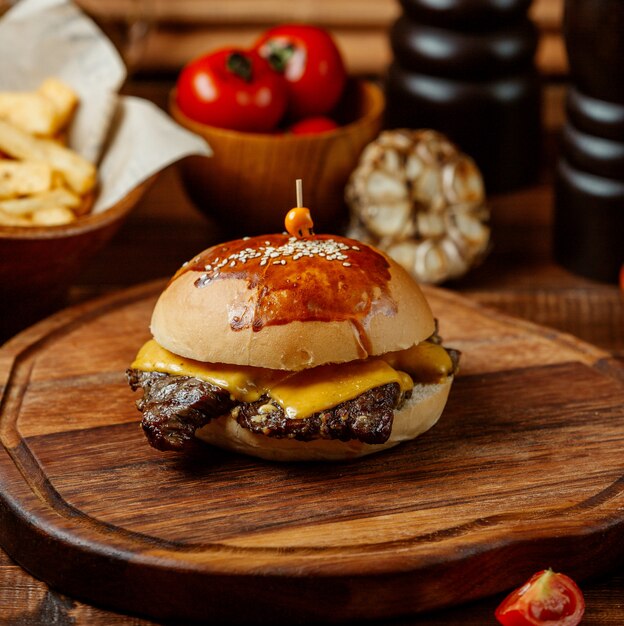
(546, 599)
(234, 89)
(311, 63)
(313, 125)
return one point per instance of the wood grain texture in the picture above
(546, 13)
(183, 29)
(525, 463)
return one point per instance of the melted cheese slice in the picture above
(303, 393)
(245, 384)
(426, 362)
(326, 386)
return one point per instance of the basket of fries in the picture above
(47, 191)
(75, 156)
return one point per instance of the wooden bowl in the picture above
(249, 184)
(38, 263)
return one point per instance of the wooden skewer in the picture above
(299, 185)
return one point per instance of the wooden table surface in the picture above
(519, 277)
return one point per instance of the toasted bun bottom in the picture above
(418, 414)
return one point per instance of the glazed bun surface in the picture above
(418, 415)
(283, 303)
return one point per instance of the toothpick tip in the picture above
(299, 187)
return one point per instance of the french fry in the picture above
(53, 216)
(58, 180)
(86, 204)
(43, 113)
(62, 97)
(32, 204)
(31, 112)
(78, 172)
(21, 178)
(13, 220)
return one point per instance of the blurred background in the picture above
(157, 37)
(161, 35)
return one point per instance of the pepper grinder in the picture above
(589, 186)
(465, 68)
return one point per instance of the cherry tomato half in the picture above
(311, 63)
(313, 125)
(546, 599)
(232, 88)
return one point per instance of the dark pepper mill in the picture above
(589, 187)
(465, 67)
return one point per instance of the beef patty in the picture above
(174, 407)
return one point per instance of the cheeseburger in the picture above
(291, 348)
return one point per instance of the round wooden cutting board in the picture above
(524, 471)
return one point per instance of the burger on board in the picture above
(292, 347)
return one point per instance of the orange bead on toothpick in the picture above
(298, 221)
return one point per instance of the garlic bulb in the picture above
(418, 198)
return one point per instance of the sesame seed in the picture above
(294, 248)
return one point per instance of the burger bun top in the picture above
(283, 303)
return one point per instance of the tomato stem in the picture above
(240, 65)
(279, 55)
